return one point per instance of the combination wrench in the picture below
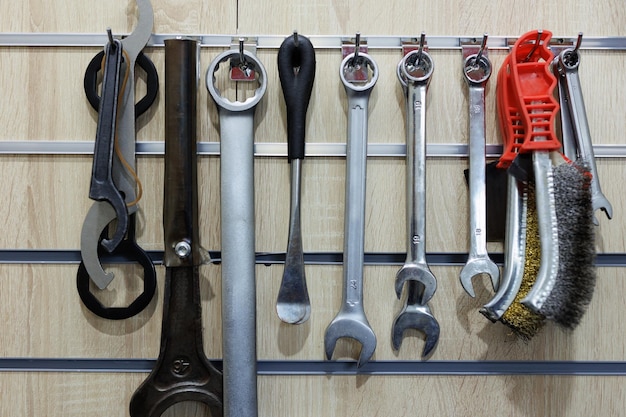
(238, 236)
(351, 321)
(477, 70)
(567, 63)
(182, 371)
(414, 73)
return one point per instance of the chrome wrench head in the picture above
(416, 316)
(477, 70)
(351, 321)
(417, 272)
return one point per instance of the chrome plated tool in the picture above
(182, 371)
(238, 235)
(477, 70)
(414, 73)
(296, 69)
(351, 321)
(574, 115)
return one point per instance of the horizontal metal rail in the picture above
(59, 256)
(288, 367)
(617, 43)
(278, 149)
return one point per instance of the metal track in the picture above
(268, 367)
(52, 256)
(615, 43)
(278, 149)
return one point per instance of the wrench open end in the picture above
(477, 266)
(417, 273)
(356, 328)
(418, 317)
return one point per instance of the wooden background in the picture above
(45, 201)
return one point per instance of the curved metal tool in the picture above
(477, 70)
(514, 252)
(296, 69)
(238, 237)
(568, 62)
(351, 321)
(414, 72)
(417, 316)
(98, 218)
(182, 371)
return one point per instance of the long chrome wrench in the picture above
(296, 69)
(182, 371)
(238, 238)
(415, 72)
(568, 62)
(351, 321)
(477, 70)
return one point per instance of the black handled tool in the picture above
(296, 69)
(182, 371)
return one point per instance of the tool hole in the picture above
(125, 287)
(226, 87)
(188, 409)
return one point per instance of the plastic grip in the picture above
(296, 70)
(526, 104)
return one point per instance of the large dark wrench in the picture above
(416, 316)
(238, 250)
(351, 320)
(477, 70)
(102, 187)
(182, 371)
(296, 69)
(414, 73)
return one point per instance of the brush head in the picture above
(524, 322)
(576, 279)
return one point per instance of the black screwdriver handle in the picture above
(296, 70)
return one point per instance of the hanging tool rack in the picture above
(318, 150)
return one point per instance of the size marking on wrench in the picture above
(477, 70)
(237, 234)
(414, 73)
(351, 320)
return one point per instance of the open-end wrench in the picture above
(296, 69)
(514, 252)
(100, 214)
(238, 251)
(351, 321)
(417, 316)
(182, 371)
(414, 72)
(567, 63)
(477, 70)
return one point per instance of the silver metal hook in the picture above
(357, 45)
(242, 58)
(578, 41)
(418, 57)
(483, 45)
(534, 48)
(295, 38)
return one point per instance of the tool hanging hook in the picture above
(536, 45)
(295, 38)
(110, 35)
(483, 45)
(357, 45)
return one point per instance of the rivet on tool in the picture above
(182, 249)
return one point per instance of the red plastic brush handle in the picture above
(525, 97)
